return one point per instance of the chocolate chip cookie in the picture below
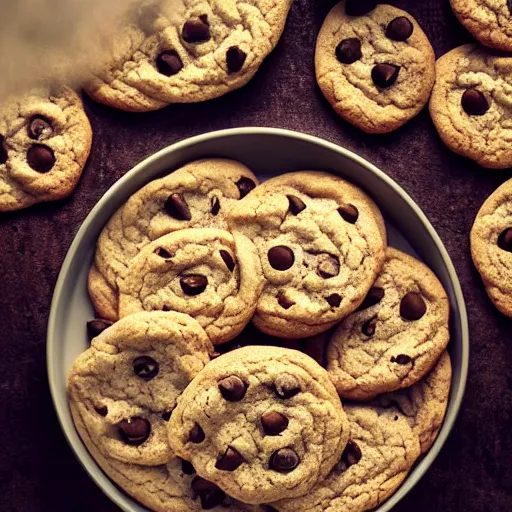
(396, 336)
(263, 423)
(207, 273)
(123, 389)
(45, 140)
(374, 64)
(321, 242)
(471, 104)
(194, 196)
(201, 51)
(487, 20)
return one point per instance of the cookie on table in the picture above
(396, 336)
(491, 246)
(197, 195)
(45, 140)
(200, 52)
(263, 423)
(381, 451)
(123, 389)
(470, 104)
(487, 20)
(207, 273)
(321, 242)
(374, 64)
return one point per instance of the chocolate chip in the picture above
(369, 326)
(193, 284)
(296, 204)
(196, 435)
(284, 302)
(3, 150)
(40, 158)
(509, 5)
(145, 367)
(399, 29)
(163, 253)
(374, 296)
(286, 385)
(230, 461)
(328, 266)
(401, 359)
(352, 454)
(166, 416)
(385, 75)
(235, 59)
(334, 300)
(196, 30)
(274, 423)
(284, 460)
(177, 207)
(187, 467)
(349, 50)
(360, 7)
(97, 326)
(228, 260)
(169, 63)
(209, 494)
(102, 411)
(412, 306)
(215, 206)
(232, 388)
(245, 185)
(474, 102)
(135, 430)
(349, 213)
(505, 240)
(281, 257)
(39, 128)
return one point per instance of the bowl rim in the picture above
(419, 470)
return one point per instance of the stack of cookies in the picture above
(181, 269)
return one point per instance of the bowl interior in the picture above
(267, 152)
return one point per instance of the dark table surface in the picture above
(38, 471)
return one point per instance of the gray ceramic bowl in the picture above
(267, 152)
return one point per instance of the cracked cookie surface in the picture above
(263, 423)
(204, 49)
(45, 140)
(396, 336)
(207, 273)
(195, 196)
(471, 105)
(376, 70)
(123, 389)
(321, 242)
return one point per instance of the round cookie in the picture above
(375, 68)
(321, 242)
(396, 336)
(470, 105)
(201, 51)
(45, 140)
(491, 246)
(263, 423)
(197, 195)
(381, 450)
(123, 389)
(487, 20)
(207, 273)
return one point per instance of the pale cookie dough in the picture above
(491, 246)
(45, 140)
(123, 389)
(207, 273)
(396, 336)
(381, 451)
(200, 51)
(321, 242)
(471, 105)
(376, 70)
(197, 195)
(488, 20)
(263, 423)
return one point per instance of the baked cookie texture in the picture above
(45, 140)
(321, 242)
(396, 336)
(491, 246)
(197, 195)
(381, 450)
(487, 20)
(376, 70)
(123, 389)
(263, 423)
(207, 273)
(470, 104)
(199, 51)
